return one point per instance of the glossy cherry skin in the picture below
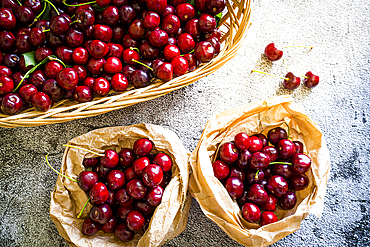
(89, 227)
(259, 161)
(154, 196)
(25, 15)
(157, 5)
(111, 15)
(252, 178)
(220, 169)
(152, 175)
(86, 18)
(113, 65)
(129, 174)
(103, 32)
(111, 201)
(59, 24)
(151, 20)
(11, 61)
(7, 18)
(135, 220)
(98, 49)
(37, 78)
(298, 181)
(122, 211)
(243, 159)
(164, 161)
(271, 152)
(99, 193)
(11, 104)
(301, 163)
(142, 147)
(110, 158)
(42, 53)
(101, 86)
(41, 101)
(53, 89)
(74, 38)
(110, 226)
(170, 52)
(5, 71)
(180, 65)
(268, 217)
(186, 43)
(7, 40)
(263, 139)
(288, 201)
(130, 55)
(119, 82)
(81, 71)
(127, 14)
(185, 11)
(286, 149)
(101, 214)
(91, 162)
(312, 80)
(228, 152)
(52, 69)
(237, 173)
(204, 51)
(139, 165)
(136, 189)
(165, 72)
(124, 233)
(6, 85)
(123, 198)
(273, 53)
(286, 171)
(276, 134)
(207, 23)
(143, 207)
(136, 29)
(192, 28)
(53, 40)
(116, 179)
(234, 187)
(277, 185)
(67, 78)
(37, 36)
(270, 204)
(96, 65)
(251, 212)
(87, 179)
(23, 43)
(292, 82)
(148, 51)
(215, 7)
(241, 141)
(27, 91)
(298, 146)
(171, 24)
(115, 50)
(158, 38)
(126, 157)
(257, 195)
(89, 82)
(80, 55)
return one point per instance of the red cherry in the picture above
(241, 141)
(164, 161)
(101, 86)
(312, 80)
(268, 217)
(272, 53)
(110, 158)
(113, 65)
(119, 82)
(234, 187)
(139, 165)
(251, 212)
(293, 81)
(41, 101)
(6, 85)
(98, 193)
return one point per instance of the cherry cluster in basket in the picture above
(90, 48)
(125, 187)
(260, 176)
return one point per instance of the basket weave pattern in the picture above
(234, 25)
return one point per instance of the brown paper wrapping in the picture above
(255, 118)
(67, 199)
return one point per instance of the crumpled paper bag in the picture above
(255, 118)
(67, 199)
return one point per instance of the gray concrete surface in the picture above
(338, 30)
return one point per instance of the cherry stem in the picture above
(46, 158)
(256, 176)
(19, 3)
(135, 49)
(76, 5)
(192, 51)
(55, 8)
(269, 74)
(84, 149)
(142, 64)
(309, 47)
(57, 59)
(288, 130)
(79, 215)
(46, 30)
(39, 15)
(280, 163)
(74, 21)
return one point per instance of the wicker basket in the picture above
(234, 25)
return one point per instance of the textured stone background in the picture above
(339, 31)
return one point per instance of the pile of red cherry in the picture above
(259, 176)
(125, 188)
(90, 48)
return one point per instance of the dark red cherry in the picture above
(42, 24)
(259, 161)
(130, 55)
(129, 174)
(139, 165)
(103, 32)
(148, 51)
(116, 179)
(118, 33)
(37, 36)
(122, 211)
(41, 101)
(215, 34)
(5, 71)
(89, 82)
(215, 7)
(165, 72)
(273, 53)
(111, 15)
(288, 201)
(6, 85)
(192, 61)
(23, 43)
(7, 18)
(127, 14)
(171, 24)
(96, 65)
(268, 217)
(201, 5)
(101, 86)
(142, 147)
(204, 51)
(98, 49)
(74, 38)
(185, 11)
(152, 175)
(311, 80)
(110, 158)
(87, 179)
(126, 157)
(186, 43)
(263, 139)
(207, 23)
(168, 10)
(111, 201)
(156, 63)
(270, 204)
(170, 52)
(157, 5)
(101, 214)
(91, 162)
(243, 199)
(151, 20)
(81, 71)
(37, 78)
(110, 226)
(103, 3)
(24, 14)
(235, 172)
(192, 28)
(123, 198)
(284, 170)
(113, 65)
(228, 152)
(154, 196)
(27, 91)
(276, 134)
(11, 61)
(89, 227)
(292, 82)
(220, 169)
(298, 146)
(124, 233)
(86, 18)
(136, 29)
(180, 65)
(11, 104)
(164, 161)
(241, 141)
(82, 94)
(42, 53)
(256, 144)
(286, 149)
(277, 185)
(17, 78)
(253, 176)
(271, 152)
(9, 4)
(158, 38)
(52, 69)
(136, 189)
(67, 78)
(143, 207)
(59, 25)
(243, 159)
(234, 187)
(251, 212)
(135, 220)
(98, 193)
(257, 195)
(53, 89)
(301, 163)
(299, 181)
(64, 53)
(119, 82)
(53, 40)
(7, 40)
(140, 78)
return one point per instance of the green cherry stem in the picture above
(46, 158)
(256, 175)
(142, 64)
(288, 130)
(76, 5)
(52, 5)
(19, 3)
(280, 163)
(135, 49)
(43, 10)
(269, 74)
(79, 215)
(46, 30)
(84, 149)
(53, 58)
(302, 46)
(74, 22)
